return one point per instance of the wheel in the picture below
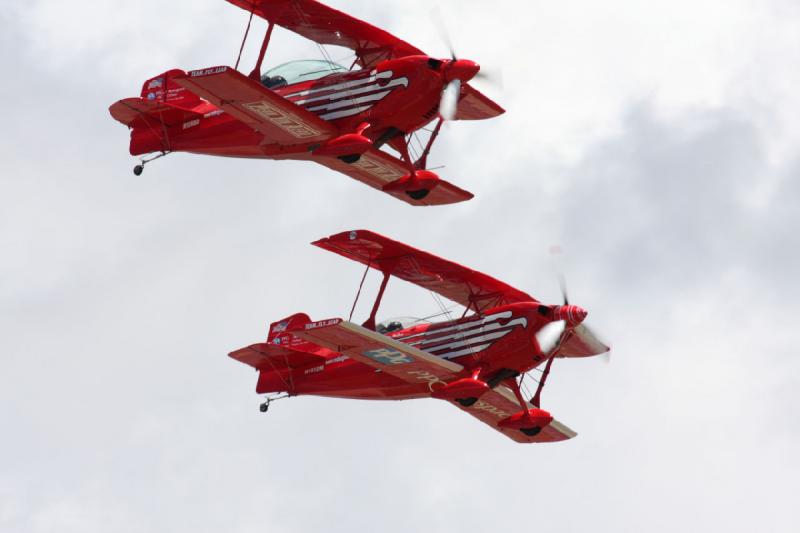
(263, 407)
(138, 169)
(531, 432)
(418, 194)
(350, 158)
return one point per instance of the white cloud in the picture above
(655, 142)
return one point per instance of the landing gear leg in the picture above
(264, 407)
(138, 169)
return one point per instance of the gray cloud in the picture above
(120, 296)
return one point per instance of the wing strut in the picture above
(244, 39)
(537, 398)
(370, 323)
(256, 73)
(422, 162)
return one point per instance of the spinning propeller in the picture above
(567, 321)
(454, 71)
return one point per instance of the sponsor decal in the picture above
(424, 375)
(353, 235)
(207, 71)
(378, 169)
(314, 369)
(280, 326)
(191, 123)
(156, 83)
(337, 359)
(486, 407)
(387, 356)
(282, 119)
(323, 323)
(151, 96)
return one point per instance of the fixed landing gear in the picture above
(264, 407)
(138, 169)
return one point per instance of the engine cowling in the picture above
(416, 185)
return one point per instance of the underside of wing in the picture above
(499, 404)
(458, 283)
(278, 119)
(325, 25)
(377, 168)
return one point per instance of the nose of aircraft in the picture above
(461, 69)
(573, 314)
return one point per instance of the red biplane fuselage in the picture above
(398, 95)
(336, 117)
(472, 362)
(500, 341)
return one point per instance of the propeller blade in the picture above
(492, 77)
(441, 28)
(562, 283)
(449, 101)
(549, 336)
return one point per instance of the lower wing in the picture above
(377, 169)
(498, 404)
(413, 365)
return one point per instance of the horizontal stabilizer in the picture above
(142, 113)
(265, 356)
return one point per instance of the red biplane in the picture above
(475, 362)
(315, 110)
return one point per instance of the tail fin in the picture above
(162, 88)
(294, 321)
(163, 104)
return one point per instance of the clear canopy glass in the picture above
(397, 323)
(302, 70)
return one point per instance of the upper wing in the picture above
(581, 342)
(377, 168)
(277, 118)
(474, 105)
(499, 403)
(451, 280)
(326, 25)
(378, 351)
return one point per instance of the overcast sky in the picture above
(655, 142)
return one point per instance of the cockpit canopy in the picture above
(397, 323)
(297, 71)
